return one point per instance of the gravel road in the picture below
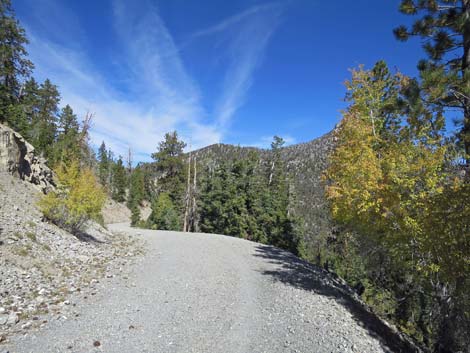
(209, 293)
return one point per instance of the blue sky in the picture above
(235, 71)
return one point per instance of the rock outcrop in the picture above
(18, 158)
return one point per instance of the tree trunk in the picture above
(465, 84)
(194, 225)
(187, 199)
(454, 325)
(271, 174)
(129, 160)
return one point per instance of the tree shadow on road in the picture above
(300, 274)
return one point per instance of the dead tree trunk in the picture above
(194, 225)
(129, 160)
(187, 198)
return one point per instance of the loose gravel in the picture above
(42, 266)
(210, 293)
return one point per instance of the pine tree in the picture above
(68, 122)
(24, 111)
(280, 226)
(445, 74)
(170, 165)
(237, 199)
(136, 188)
(214, 209)
(136, 194)
(135, 216)
(119, 181)
(45, 127)
(68, 146)
(236, 211)
(164, 215)
(111, 166)
(14, 66)
(254, 188)
(103, 166)
(29, 104)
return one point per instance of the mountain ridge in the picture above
(305, 163)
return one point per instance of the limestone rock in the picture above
(19, 158)
(12, 319)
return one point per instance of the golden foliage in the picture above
(78, 198)
(392, 186)
(446, 231)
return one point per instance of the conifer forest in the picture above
(382, 201)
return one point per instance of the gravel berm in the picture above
(212, 293)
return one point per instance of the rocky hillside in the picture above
(305, 164)
(41, 265)
(18, 158)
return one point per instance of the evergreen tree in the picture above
(170, 166)
(68, 146)
(111, 166)
(149, 181)
(24, 111)
(135, 216)
(68, 122)
(254, 189)
(103, 166)
(14, 66)
(445, 75)
(236, 212)
(237, 199)
(119, 181)
(29, 104)
(136, 188)
(136, 194)
(164, 216)
(215, 194)
(45, 127)
(280, 225)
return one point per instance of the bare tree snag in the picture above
(187, 198)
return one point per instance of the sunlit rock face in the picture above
(18, 158)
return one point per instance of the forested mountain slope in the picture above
(305, 163)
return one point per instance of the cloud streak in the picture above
(159, 95)
(249, 33)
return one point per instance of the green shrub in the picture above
(164, 215)
(78, 198)
(31, 236)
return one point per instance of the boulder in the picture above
(19, 158)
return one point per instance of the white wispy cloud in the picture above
(152, 54)
(235, 19)
(165, 97)
(160, 95)
(250, 33)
